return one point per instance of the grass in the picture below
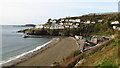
(108, 61)
(115, 42)
(105, 57)
(100, 33)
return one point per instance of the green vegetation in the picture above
(85, 29)
(99, 28)
(95, 17)
(102, 56)
(108, 61)
(115, 42)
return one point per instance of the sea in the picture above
(14, 46)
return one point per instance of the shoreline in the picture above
(56, 51)
(29, 54)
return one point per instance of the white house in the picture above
(60, 23)
(114, 27)
(66, 26)
(77, 20)
(62, 19)
(87, 22)
(53, 21)
(100, 20)
(115, 22)
(69, 23)
(39, 26)
(93, 22)
(71, 20)
(66, 20)
(77, 23)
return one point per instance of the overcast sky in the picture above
(39, 11)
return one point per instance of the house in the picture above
(93, 22)
(61, 26)
(60, 23)
(71, 20)
(114, 27)
(77, 24)
(70, 23)
(115, 22)
(77, 20)
(54, 20)
(62, 19)
(87, 22)
(39, 26)
(51, 20)
(100, 20)
(66, 20)
(66, 26)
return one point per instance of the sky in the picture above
(13, 12)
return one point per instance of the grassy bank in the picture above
(103, 55)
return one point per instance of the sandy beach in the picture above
(53, 52)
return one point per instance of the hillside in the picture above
(92, 24)
(97, 16)
(106, 55)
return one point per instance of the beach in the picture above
(14, 46)
(53, 52)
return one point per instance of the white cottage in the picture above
(100, 20)
(39, 26)
(62, 19)
(77, 23)
(115, 22)
(77, 20)
(71, 20)
(60, 23)
(93, 22)
(87, 22)
(114, 27)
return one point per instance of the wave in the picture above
(23, 54)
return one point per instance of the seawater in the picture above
(14, 46)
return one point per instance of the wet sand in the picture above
(55, 53)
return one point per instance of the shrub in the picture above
(115, 41)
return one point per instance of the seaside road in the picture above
(55, 53)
